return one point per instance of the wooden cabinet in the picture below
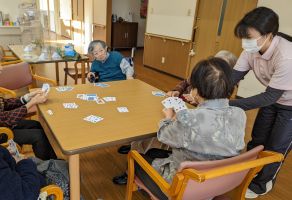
(166, 55)
(124, 35)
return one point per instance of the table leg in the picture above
(83, 72)
(57, 73)
(74, 173)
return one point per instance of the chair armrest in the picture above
(10, 62)
(53, 190)
(44, 79)
(7, 131)
(7, 91)
(9, 134)
(10, 58)
(155, 176)
(265, 157)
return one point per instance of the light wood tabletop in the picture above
(76, 135)
(66, 129)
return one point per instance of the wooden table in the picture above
(70, 135)
(18, 51)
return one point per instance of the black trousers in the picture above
(145, 178)
(31, 132)
(273, 129)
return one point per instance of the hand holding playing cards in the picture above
(191, 99)
(91, 77)
(169, 113)
(17, 159)
(35, 92)
(37, 99)
(172, 94)
(174, 102)
(27, 97)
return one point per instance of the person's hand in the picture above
(91, 77)
(39, 98)
(129, 77)
(169, 113)
(191, 99)
(172, 93)
(35, 92)
(18, 158)
(27, 97)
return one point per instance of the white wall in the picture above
(250, 85)
(10, 7)
(283, 9)
(122, 8)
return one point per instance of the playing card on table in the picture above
(46, 88)
(91, 97)
(81, 96)
(50, 112)
(70, 105)
(93, 118)
(64, 88)
(103, 85)
(107, 99)
(158, 93)
(122, 109)
(100, 101)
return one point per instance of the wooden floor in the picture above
(98, 167)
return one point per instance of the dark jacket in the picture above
(18, 181)
(11, 112)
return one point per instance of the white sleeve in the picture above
(126, 68)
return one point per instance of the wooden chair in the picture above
(19, 75)
(7, 55)
(75, 72)
(52, 190)
(202, 180)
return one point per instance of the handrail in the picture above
(167, 37)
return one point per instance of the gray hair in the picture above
(94, 43)
(229, 57)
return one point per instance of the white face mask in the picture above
(251, 45)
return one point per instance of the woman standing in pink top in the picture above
(269, 55)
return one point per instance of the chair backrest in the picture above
(220, 185)
(16, 76)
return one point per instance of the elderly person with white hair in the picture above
(183, 88)
(107, 66)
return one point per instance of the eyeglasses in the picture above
(98, 52)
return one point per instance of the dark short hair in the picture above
(262, 19)
(212, 78)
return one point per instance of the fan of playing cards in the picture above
(174, 102)
(46, 88)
